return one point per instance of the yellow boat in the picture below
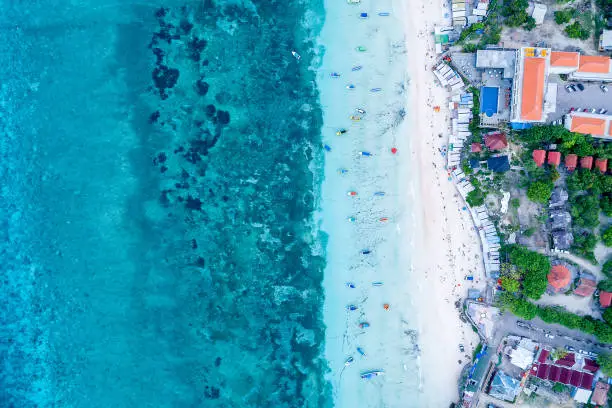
(355, 118)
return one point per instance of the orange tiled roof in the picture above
(538, 157)
(564, 59)
(554, 158)
(559, 277)
(586, 162)
(533, 88)
(570, 161)
(594, 63)
(601, 164)
(588, 126)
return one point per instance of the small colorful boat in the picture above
(367, 154)
(355, 118)
(334, 75)
(379, 193)
(351, 219)
(384, 14)
(351, 308)
(352, 193)
(348, 361)
(342, 171)
(375, 89)
(350, 86)
(357, 68)
(377, 283)
(361, 48)
(360, 351)
(383, 219)
(350, 285)
(371, 374)
(366, 252)
(363, 15)
(341, 132)
(353, 1)
(327, 148)
(364, 325)
(361, 111)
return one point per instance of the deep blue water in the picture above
(158, 248)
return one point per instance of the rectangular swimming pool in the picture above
(488, 100)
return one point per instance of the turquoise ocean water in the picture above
(157, 197)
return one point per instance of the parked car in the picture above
(572, 109)
(461, 348)
(593, 110)
(603, 88)
(570, 348)
(580, 86)
(549, 336)
(574, 89)
(522, 324)
(569, 89)
(586, 110)
(603, 111)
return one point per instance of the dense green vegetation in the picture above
(559, 387)
(524, 309)
(584, 244)
(605, 285)
(540, 191)
(564, 16)
(576, 30)
(515, 12)
(475, 198)
(531, 270)
(607, 268)
(605, 362)
(606, 236)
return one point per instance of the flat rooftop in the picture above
(502, 59)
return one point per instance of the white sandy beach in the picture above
(428, 245)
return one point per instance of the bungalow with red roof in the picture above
(554, 158)
(605, 298)
(571, 160)
(496, 141)
(538, 157)
(601, 164)
(586, 162)
(586, 286)
(600, 394)
(476, 148)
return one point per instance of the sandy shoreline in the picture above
(428, 245)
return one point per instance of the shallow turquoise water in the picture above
(158, 247)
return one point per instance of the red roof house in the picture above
(571, 160)
(600, 395)
(602, 164)
(587, 381)
(559, 278)
(586, 162)
(538, 157)
(543, 356)
(605, 298)
(590, 365)
(554, 158)
(567, 361)
(565, 375)
(496, 141)
(476, 147)
(575, 378)
(586, 287)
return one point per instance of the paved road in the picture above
(563, 336)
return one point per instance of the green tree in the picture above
(518, 306)
(559, 387)
(606, 237)
(540, 191)
(563, 16)
(605, 285)
(607, 268)
(530, 23)
(515, 203)
(534, 268)
(509, 284)
(576, 30)
(607, 315)
(585, 211)
(605, 203)
(605, 362)
(475, 198)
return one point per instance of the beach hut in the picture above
(586, 162)
(571, 160)
(496, 141)
(586, 285)
(476, 148)
(538, 157)
(602, 165)
(554, 158)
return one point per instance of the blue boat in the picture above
(357, 67)
(350, 86)
(379, 193)
(360, 351)
(384, 14)
(375, 89)
(327, 148)
(350, 285)
(377, 283)
(371, 374)
(351, 307)
(363, 15)
(367, 154)
(334, 75)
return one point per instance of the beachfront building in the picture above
(495, 141)
(533, 97)
(504, 387)
(593, 124)
(593, 68)
(497, 73)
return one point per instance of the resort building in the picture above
(586, 162)
(496, 141)
(589, 124)
(504, 387)
(498, 68)
(554, 158)
(538, 157)
(532, 98)
(571, 160)
(600, 394)
(593, 68)
(601, 165)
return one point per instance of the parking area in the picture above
(591, 97)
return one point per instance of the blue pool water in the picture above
(488, 103)
(157, 199)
